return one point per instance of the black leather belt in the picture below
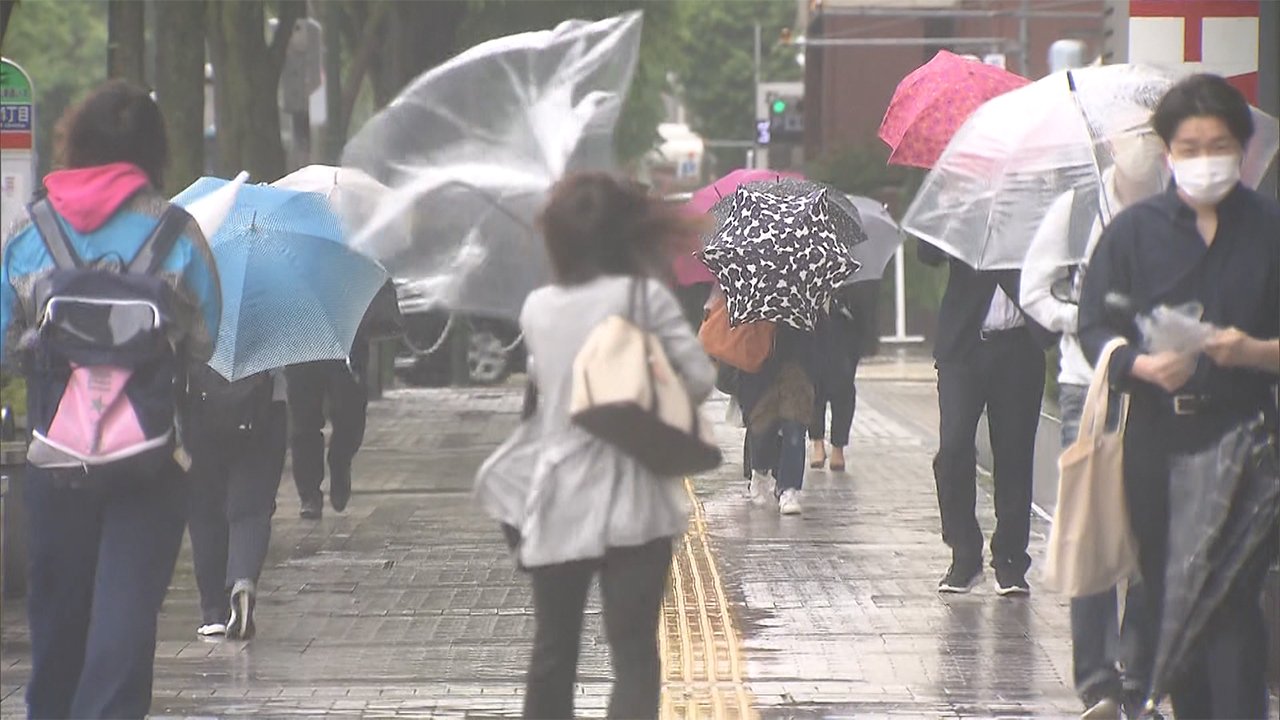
(989, 335)
(1192, 404)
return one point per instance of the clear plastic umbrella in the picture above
(471, 148)
(355, 196)
(1019, 152)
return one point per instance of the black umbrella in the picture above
(845, 218)
(1224, 503)
(778, 258)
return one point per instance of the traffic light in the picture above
(786, 118)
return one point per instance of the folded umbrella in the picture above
(1220, 532)
(779, 258)
(292, 292)
(931, 103)
(1018, 153)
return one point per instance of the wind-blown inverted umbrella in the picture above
(931, 103)
(471, 148)
(1219, 531)
(1016, 155)
(778, 258)
(292, 291)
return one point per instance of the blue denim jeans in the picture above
(781, 450)
(101, 557)
(1108, 657)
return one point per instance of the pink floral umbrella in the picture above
(932, 103)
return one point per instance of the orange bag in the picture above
(745, 347)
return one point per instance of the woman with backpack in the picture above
(233, 494)
(104, 299)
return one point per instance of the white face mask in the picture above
(1207, 179)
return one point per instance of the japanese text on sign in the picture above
(15, 117)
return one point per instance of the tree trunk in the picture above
(336, 120)
(180, 88)
(246, 81)
(421, 35)
(6, 10)
(126, 40)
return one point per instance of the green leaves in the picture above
(62, 44)
(715, 51)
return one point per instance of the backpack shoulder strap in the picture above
(156, 248)
(55, 238)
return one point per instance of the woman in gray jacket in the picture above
(591, 509)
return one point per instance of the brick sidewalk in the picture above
(408, 604)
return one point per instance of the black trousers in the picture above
(843, 399)
(310, 385)
(1227, 675)
(1004, 376)
(632, 583)
(233, 497)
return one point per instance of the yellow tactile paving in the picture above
(701, 649)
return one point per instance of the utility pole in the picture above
(1024, 39)
(753, 157)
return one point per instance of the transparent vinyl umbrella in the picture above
(470, 150)
(1020, 152)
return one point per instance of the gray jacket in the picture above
(571, 495)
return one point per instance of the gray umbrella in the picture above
(842, 210)
(883, 238)
(1219, 531)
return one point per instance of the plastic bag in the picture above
(1176, 329)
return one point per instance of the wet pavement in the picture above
(408, 604)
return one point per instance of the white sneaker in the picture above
(789, 502)
(760, 489)
(212, 629)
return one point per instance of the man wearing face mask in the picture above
(1050, 293)
(1207, 239)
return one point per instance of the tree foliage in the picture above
(62, 44)
(715, 50)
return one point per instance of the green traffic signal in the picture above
(779, 106)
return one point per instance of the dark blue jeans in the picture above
(1107, 656)
(780, 450)
(101, 557)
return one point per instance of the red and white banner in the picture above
(1217, 36)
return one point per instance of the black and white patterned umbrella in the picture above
(778, 258)
(845, 217)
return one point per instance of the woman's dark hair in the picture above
(1199, 96)
(595, 224)
(118, 122)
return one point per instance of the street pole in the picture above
(1024, 39)
(900, 335)
(753, 158)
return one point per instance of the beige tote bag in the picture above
(1091, 545)
(626, 393)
